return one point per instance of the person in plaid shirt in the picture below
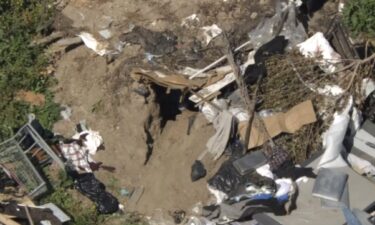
(77, 155)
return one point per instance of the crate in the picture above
(16, 154)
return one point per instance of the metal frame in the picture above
(13, 151)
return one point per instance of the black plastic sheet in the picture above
(93, 189)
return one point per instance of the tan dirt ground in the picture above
(100, 94)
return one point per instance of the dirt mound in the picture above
(103, 95)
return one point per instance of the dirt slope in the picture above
(100, 93)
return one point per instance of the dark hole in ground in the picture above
(169, 104)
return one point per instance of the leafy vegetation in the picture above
(22, 66)
(359, 15)
(82, 210)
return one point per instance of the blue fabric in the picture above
(283, 198)
(261, 197)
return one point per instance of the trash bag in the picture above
(93, 189)
(197, 171)
(229, 181)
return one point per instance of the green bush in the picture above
(359, 16)
(81, 215)
(21, 65)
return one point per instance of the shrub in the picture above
(21, 65)
(359, 16)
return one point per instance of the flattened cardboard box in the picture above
(288, 122)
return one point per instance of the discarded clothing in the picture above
(243, 211)
(92, 140)
(289, 170)
(265, 171)
(255, 193)
(223, 124)
(77, 157)
(284, 187)
(93, 189)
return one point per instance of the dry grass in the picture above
(291, 79)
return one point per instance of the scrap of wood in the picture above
(228, 78)
(137, 194)
(25, 200)
(49, 39)
(31, 222)
(7, 221)
(172, 81)
(207, 100)
(212, 65)
(250, 105)
(213, 88)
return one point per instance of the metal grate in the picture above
(15, 156)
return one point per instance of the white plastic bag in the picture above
(318, 47)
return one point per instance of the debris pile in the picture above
(289, 98)
(293, 115)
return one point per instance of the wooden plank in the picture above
(137, 194)
(7, 221)
(213, 88)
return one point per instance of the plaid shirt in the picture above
(77, 157)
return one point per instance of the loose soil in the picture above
(101, 94)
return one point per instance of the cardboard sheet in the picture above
(288, 122)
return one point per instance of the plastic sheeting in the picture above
(211, 32)
(317, 46)
(92, 43)
(333, 139)
(92, 188)
(283, 23)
